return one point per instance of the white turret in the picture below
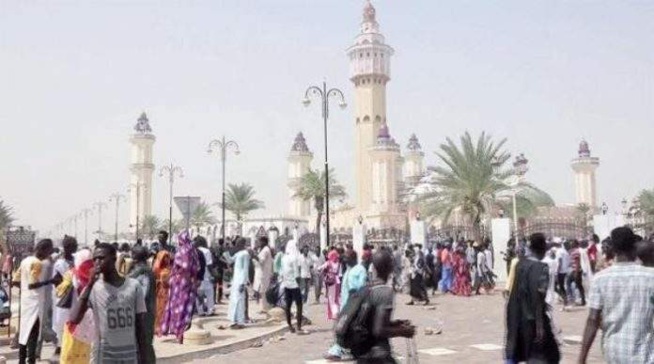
(386, 181)
(141, 169)
(584, 167)
(413, 162)
(299, 163)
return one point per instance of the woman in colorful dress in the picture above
(330, 271)
(461, 270)
(183, 289)
(161, 268)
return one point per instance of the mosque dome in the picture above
(299, 144)
(414, 144)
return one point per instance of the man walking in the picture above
(63, 265)
(264, 261)
(237, 295)
(141, 271)
(529, 334)
(306, 266)
(34, 279)
(119, 310)
(576, 272)
(318, 260)
(205, 300)
(621, 303)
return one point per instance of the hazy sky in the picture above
(75, 75)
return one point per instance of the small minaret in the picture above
(584, 167)
(386, 174)
(140, 189)
(370, 63)
(299, 163)
(413, 162)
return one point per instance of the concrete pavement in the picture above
(472, 332)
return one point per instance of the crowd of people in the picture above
(619, 279)
(106, 303)
(460, 268)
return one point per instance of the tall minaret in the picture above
(140, 189)
(299, 163)
(413, 162)
(369, 71)
(584, 167)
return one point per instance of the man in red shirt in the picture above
(592, 251)
(576, 273)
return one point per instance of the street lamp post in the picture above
(520, 169)
(138, 186)
(86, 212)
(223, 145)
(170, 170)
(99, 205)
(115, 197)
(324, 96)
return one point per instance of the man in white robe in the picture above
(263, 262)
(64, 264)
(34, 279)
(237, 294)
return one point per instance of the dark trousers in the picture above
(305, 284)
(293, 295)
(560, 287)
(27, 353)
(576, 277)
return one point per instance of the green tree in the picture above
(646, 205)
(6, 215)
(150, 226)
(583, 210)
(177, 226)
(311, 187)
(6, 218)
(202, 216)
(474, 180)
(240, 200)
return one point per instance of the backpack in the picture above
(353, 328)
(330, 275)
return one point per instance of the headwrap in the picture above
(333, 256)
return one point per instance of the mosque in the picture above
(383, 169)
(382, 172)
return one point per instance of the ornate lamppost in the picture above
(85, 213)
(171, 170)
(116, 197)
(520, 169)
(99, 205)
(324, 94)
(223, 146)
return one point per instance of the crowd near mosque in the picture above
(106, 303)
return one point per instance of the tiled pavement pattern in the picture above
(473, 332)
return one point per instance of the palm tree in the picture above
(6, 218)
(177, 226)
(202, 216)
(583, 209)
(311, 187)
(473, 181)
(646, 204)
(6, 215)
(150, 226)
(240, 201)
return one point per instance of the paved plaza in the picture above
(472, 332)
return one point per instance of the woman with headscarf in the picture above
(183, 289)
(417, 285)
(77, 339)
(161, 268)
(330, 271)
(461, 270)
